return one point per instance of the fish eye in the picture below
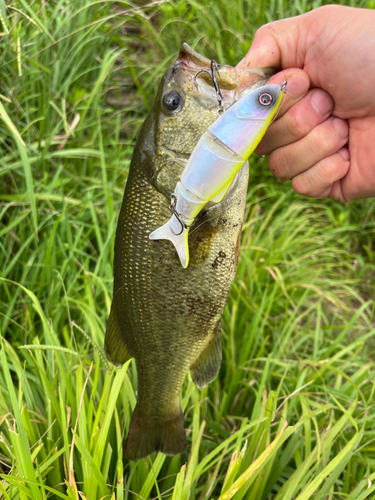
(265, 99)
(172, 100)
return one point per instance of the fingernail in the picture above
(297, 86)
(344, 153)
(341, 127)
(321, 102)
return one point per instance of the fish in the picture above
(215, 161)
(164, 316)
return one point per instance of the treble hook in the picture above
(172, 208)
(219, 96)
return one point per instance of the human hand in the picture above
(324, 138)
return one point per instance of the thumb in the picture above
(280, 44)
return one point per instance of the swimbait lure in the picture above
(216, 160)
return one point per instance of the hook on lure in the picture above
(219, 95)
(283, 89)
(179, 217)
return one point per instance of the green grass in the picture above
(291, 415)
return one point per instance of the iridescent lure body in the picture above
(216, 160)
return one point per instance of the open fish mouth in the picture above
(233, 82)
(228, 77)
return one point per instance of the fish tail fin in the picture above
(148, 435)
(170, 231)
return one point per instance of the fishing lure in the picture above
(217, 158)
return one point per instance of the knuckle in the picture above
(300, 186)
(293, 125)
(263, 147)
(333, 167)
(330, 9)
(278, 164)
(326, 167)
(324, 138)
(265, 29)
(296, 125)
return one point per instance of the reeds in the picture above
(291, 414)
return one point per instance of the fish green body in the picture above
(167, 317)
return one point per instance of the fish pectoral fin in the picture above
(207, 366)
(114, 346)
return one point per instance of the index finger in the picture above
(297, 86)
(280, 44)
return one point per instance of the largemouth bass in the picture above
(167, 317)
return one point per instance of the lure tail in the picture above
(146, 436)
(177, 233)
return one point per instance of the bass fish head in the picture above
(186, 105)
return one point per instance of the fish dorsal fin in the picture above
(207, 366)
(114, 347)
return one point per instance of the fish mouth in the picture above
(192, 59)
(227, 77)
(233, 82)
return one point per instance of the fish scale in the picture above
(167, 317)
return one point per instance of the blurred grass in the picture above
(291, 414)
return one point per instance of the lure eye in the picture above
(172, 100)
(265, 99)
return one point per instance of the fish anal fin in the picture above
(207, 366)
(114, 347)
(147, 435)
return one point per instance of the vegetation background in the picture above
(291, 414)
